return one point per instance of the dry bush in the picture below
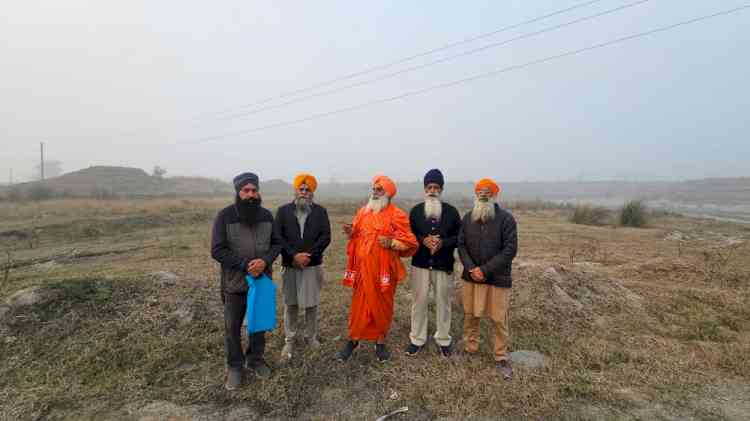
(536, 205)
(585, 214)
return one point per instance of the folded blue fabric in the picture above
(261, 304)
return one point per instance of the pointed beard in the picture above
(377, 204)
(483, 211)
(433, 207)
(248, 210)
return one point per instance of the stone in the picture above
(164, 279)
(529, 359)
(27, 297)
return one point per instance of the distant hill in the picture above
(726, 191)
(121, 181)
(101, 181)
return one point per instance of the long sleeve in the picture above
(276, 245)
(279, 222)
(220, 250)
(451, 240)
(324, 239)
(405, 239)
(463, 253)
(509, 248)
(414, 224)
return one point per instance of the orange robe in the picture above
(373, 271)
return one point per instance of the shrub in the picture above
(633, 214)
(590, 215)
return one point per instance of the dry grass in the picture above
(636, 326)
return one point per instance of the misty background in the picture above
(138, 84)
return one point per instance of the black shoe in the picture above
(346, 353)
(412, 349)
(382, 352)
(260, 367)
(446, 351)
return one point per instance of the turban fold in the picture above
(386, 183)
(245, 178)
(434, 176)
(487, 183)
(307, 179)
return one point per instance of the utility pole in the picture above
(41, 168)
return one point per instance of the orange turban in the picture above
(306, 179)
(386, 183)
(487, 183)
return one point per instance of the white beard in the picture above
(483, 211)
(303, 205)
(433, 207)
(377, 204)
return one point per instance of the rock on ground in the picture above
(28, 296)
(529, 359)
(163, 278)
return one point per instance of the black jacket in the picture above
(491, 246)
(234, 245)
(316, 238)
(447, 228)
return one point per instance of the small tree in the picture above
(633, 214)
(158, 172)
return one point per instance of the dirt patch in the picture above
(573, 297)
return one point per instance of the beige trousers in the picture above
(420, 287)
(485, 300)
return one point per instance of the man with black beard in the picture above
(487, 244)
(436, 225)
(305, 233)
(244, 241)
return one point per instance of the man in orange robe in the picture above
(379, 236)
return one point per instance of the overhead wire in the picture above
(479, 76)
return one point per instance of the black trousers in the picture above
(235, 306)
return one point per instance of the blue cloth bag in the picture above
(261, 304)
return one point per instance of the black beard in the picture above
(247, 210)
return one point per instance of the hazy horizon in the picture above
(134, 84)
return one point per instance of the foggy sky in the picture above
(133, 84)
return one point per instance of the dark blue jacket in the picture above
(447, 228)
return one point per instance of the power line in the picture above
(415, 56)
(475, 77)
(218, 114)
(435, 62)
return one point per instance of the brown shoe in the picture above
(505, 369)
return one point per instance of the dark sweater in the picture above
(491, 246)
(234, 245)
(447, 228)
(316, 238)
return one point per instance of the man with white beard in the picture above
(306, 233)
(379, 236)
(436, 225)
(487, 244)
